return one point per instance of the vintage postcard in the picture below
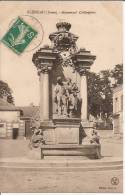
(61, 96)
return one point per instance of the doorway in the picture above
(15, 133)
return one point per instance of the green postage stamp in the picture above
(19, 36)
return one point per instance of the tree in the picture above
(100, 94)
(5, 91)
(100, 100)
(117, 74)
(94, 95)
(106, 93)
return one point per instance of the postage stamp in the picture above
(19, 36)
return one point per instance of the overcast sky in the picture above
(99, 32)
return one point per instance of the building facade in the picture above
(10, 124)
(30, 116)
(118, 110)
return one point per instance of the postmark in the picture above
(25, 34)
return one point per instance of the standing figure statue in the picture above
(72, 93)
(60, 97)
(66, 97)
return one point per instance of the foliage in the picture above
(106, 93)
(117, 74)
(5, 91)
(94, 95)
(100, 94)
(100, 91)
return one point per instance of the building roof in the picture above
(5, 106)
(29, 111)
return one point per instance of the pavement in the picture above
(111, 146)
(20, 180)
(35, 181)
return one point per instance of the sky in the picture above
(100, 31)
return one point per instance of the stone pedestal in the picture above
(88, 128)
(35, 154)
(67, 131)
(61, 131)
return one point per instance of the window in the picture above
(2, 129)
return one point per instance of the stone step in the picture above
(62, 169)
(90, 151)
(61, 163)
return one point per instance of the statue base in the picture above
(65, 137)
(91, 151)
(61, 131)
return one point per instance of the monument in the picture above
(62, 70)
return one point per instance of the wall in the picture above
(11, 126)
(9, 116)
(118, 110)
(118, 100)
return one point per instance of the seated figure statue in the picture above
(94, 137)
(37, 138)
